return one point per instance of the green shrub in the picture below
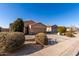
(18, 25)
(10, 41)
(61, 29)
(41, 38)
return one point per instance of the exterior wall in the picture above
(26, 30)
(49, 29)
(37, 28)
(54, 29)
(27, 23)
(5, 30)
(27, 26)
(0, 29)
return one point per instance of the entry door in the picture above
(26, 30)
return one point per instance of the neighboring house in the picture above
(31, 27)
(5, 30)
(72, 28)
(49, 29)
(54, 29)
(0, 29)
(69, 29)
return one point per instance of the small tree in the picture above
(61, 29)
(18, 25)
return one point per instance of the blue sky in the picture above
(47, 13)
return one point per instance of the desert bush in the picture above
(41, 38)
(69, 34)
(18, 25)
(10, 41)
(75, 33)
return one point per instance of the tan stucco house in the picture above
(31, 27)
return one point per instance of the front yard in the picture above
(30, 46)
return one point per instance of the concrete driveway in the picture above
(69, 47)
